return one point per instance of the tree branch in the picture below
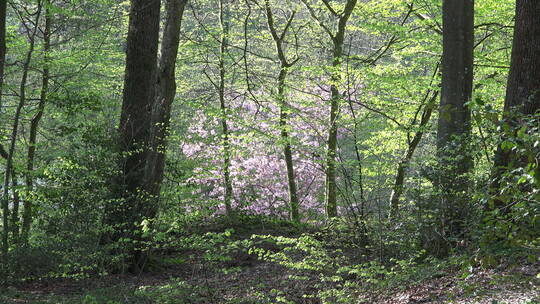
(314, 16)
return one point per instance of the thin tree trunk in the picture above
(3, 152)
(284, 110)
(287, 150)
(523, 89)
(15, 210)
(359, 167)
(15, 131)
(34, 124)
(397, 189)
(224, 23)
(3, 12)
(358, 162)
(335, 98)
(403, 165)
(331, 142)
(165, 93)
(454, 127)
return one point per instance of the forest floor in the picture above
(241, 277)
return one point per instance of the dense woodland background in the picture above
(355, 146)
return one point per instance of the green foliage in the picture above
(391, 56)
(68, 208)
(514, 222)
(341, 271)
(176, 292)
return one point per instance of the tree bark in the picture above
(523, 88)
(224, 23)
(359, 167)
(454, 126)
(294, 203)
(133, 205)
(165, 93)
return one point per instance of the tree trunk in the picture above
(523, 89)
(133, 205)
(224, 23)
(165, 93)
(3, 152)
(358, 163)
(34, 124)
(331, 142)
(335, 98)
(397, 189)
(15, 131)
(3, 12)
(454, 116)
(15, 210)
(287, 150)
(284, 109)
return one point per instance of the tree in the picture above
(15, 231)
(3, 12)
(523, 88)
(430, 101)
(165, 93)
(454, 115)
(3, 152)
(135, 123)
(226, 142)
(31, 32)
(284, 108)
(34, 123)
(338, 39)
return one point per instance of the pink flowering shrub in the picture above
(257, 163)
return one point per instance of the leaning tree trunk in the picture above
(133, 205)
(523, 89)
(403, 165)
(430, 99)
(331, 141)
(165, 93)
